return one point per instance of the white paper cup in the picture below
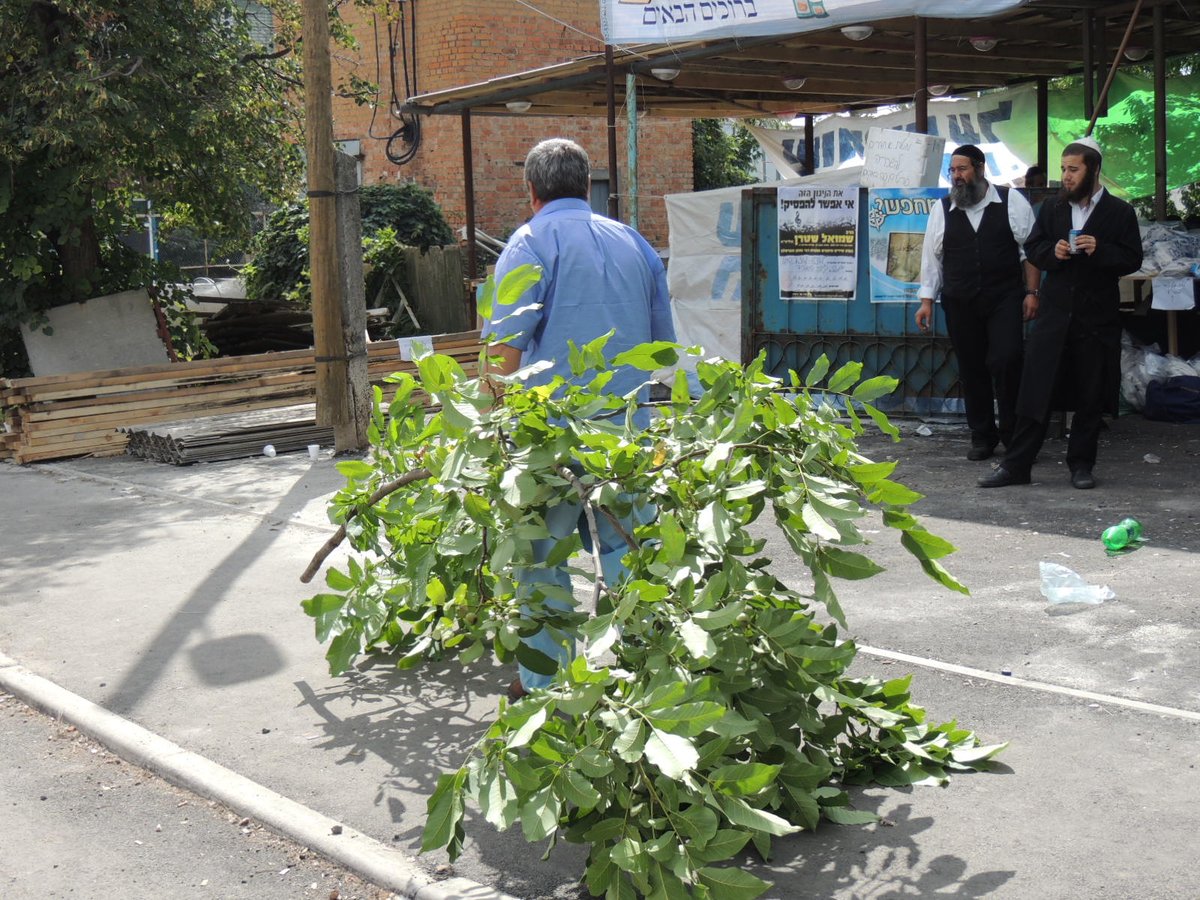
(269, 450)
(314, 450)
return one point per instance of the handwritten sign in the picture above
(893, 158)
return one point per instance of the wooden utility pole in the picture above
(334, 408)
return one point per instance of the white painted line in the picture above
(1033, 685)
(368, 858)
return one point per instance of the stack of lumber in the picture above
(91, 413)
(229, 436)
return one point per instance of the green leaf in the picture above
(649, 356)
(579, 790)
(528, 728)
(444, 811)
(724, 844)
(674, 541)
(326, 609)
(882, 422)
(539, 815)
(630, 744)
(498, 799)
(628, 856)
(923, 545)
(732, 884)
(843, 815)
(697, 640)
(935, 571)
(743, 779)
(739, 812)
(849, 565)
(674, 755)
(845, 376)
(874, 388)
(355, 469)
(894, 493)
(817, 525)
(817, 371)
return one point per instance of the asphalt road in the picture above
(79, 822)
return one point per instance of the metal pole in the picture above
(469, 195)
(1102, 103)
(1089, 65)
(631, 146)
(1043, 126)
(1099, 24)
(921, 93)
(1160, 115)
(810, 146)
(614, 208)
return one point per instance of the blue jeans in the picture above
(561, 520)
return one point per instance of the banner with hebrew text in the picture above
(662, 21)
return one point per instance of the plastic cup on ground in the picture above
(314, 451)
(269, 450)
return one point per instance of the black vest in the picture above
(983, 263)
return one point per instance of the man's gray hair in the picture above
(557, 169)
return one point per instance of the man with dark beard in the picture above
(1074, 350)
(973, 257)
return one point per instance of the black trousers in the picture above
(1082, 362)
(987, 339)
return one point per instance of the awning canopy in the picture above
(826, 71)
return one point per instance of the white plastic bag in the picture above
(1061, 585)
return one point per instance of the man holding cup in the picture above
(1084, 241)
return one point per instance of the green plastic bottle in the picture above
(1133, 527)
(1115, 537)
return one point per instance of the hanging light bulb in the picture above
(984, 43)
(858, 32)
(1136, 54)
(939, 90)
(665, 73)
(794, 83)
(518, 106)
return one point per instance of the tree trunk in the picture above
(80, 258)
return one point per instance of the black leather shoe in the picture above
(980, 452)
(1003, 478)
(1083, 479)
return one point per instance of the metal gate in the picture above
(882, 336)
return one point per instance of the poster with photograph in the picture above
(896, 219)
(818, 234)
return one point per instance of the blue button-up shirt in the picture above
(597, 275)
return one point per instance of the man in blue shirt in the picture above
(598, 275)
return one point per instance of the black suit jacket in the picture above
(1080, 301)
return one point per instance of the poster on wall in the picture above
(896, 219)
(818, 234)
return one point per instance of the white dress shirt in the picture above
(1079, 214)
(1020, 220)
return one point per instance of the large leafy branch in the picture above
(711, 707)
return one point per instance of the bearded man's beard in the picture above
(1083, 191)
(968, 193)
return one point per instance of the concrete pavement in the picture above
(168, 598)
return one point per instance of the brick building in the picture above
(461, 42)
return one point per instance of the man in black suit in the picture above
(1073, 351)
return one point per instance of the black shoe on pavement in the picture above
(1083, 479)
(1003, 478)
(980, 452)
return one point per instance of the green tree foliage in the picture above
(393, 216)
(722, 158)
(104, 102)
(711, 708)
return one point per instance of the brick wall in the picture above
(466, 41)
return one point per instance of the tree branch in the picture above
(340, 535)
(598, 583)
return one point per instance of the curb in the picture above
(366, 857)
